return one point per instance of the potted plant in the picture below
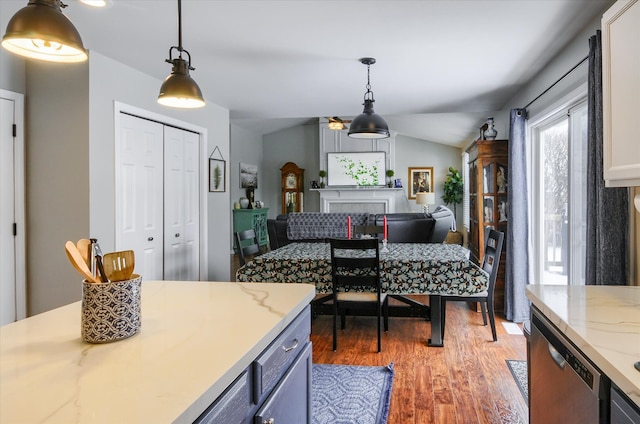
(322, 173)
(453, 189)
(390, 173)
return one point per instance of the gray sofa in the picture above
(402, 227)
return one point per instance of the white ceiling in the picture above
(442, 66)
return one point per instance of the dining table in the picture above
(432, 269)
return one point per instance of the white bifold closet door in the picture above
(157, 201)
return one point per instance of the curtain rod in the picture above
(557, 81)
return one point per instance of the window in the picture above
(559, 143)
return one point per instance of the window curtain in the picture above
(607, 208)
(517, 237)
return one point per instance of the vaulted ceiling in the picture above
(442, 66)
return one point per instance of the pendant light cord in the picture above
(180, 27)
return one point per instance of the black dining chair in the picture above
(490, 264)
(247, 248)
(365, 231)
(355, 271)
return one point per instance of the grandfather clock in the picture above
(292, 187)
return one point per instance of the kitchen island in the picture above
(601, 321)
(196, 339)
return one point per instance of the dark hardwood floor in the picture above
(467, 381)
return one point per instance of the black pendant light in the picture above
(179, 89)
(368, 124)
(40, 31)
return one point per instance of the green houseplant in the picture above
(390, 173)
(453, 189)
(322, 173)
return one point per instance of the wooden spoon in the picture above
(78, 263)
(118, 266)
(84, 247)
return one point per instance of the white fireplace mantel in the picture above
(359, 199)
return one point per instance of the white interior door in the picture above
(181, 205)
(139, 193)
(12, 228)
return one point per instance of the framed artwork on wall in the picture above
(248, 175)
(420, 179)
(217, 175)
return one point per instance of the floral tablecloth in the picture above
(407, 268)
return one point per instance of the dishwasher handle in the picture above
(556, 356)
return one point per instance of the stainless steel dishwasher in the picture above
(565, 387)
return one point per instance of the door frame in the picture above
(119, 108)
(19, 206)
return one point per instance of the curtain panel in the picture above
(607, 208)
(517, 237)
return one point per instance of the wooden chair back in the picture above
(247, 249)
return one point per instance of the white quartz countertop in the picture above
(603, 322)
(195, 339)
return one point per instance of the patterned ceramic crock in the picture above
(111, 311)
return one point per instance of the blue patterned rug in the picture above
(347, 394)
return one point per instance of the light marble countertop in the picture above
(195, 339)
(603, 322)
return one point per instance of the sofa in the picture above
(401, 227)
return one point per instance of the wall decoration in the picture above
(248, 175)
(420, 179)
(217, 172)
(356, 169)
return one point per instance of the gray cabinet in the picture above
(276, 386)
(623, 411)
(290, 402)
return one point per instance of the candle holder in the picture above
(384, 249)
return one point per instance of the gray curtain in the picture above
(607, 208)
(517, 237)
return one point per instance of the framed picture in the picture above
(420, 179)
(356, 169)
(248, 175)
(217, 175)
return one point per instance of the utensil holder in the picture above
(111, 311)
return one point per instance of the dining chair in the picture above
(245, 249)
(355, 270)
(490, 264)
(374, 231)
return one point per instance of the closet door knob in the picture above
(150, 239)
(177, 234)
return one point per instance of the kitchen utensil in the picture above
(78, 262)
(98, 255)
(119, 265)
(84, 247)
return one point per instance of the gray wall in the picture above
(69, 165)
(299, 145)
(412, 152)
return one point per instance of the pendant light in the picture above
(368, 124)
(40, 31)
(179, 89)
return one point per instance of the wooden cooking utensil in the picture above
(84, 247)
(78, 263)
(118, 266)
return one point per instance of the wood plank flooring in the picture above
(465, 382)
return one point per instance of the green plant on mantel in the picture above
(390, 173)
(322, 173)
(453, 189)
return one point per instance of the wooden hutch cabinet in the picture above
(488, 187)
(292, 187)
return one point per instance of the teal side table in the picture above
(244, 219)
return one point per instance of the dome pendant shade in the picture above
(41, 31)
(368, 124)
(179, 89)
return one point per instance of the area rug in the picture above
(347, 394)
(519, 370)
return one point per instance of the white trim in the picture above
(120, 107)
(20, 216)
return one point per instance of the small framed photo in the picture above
(420, 179)
(248, 175)
(217, 175)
